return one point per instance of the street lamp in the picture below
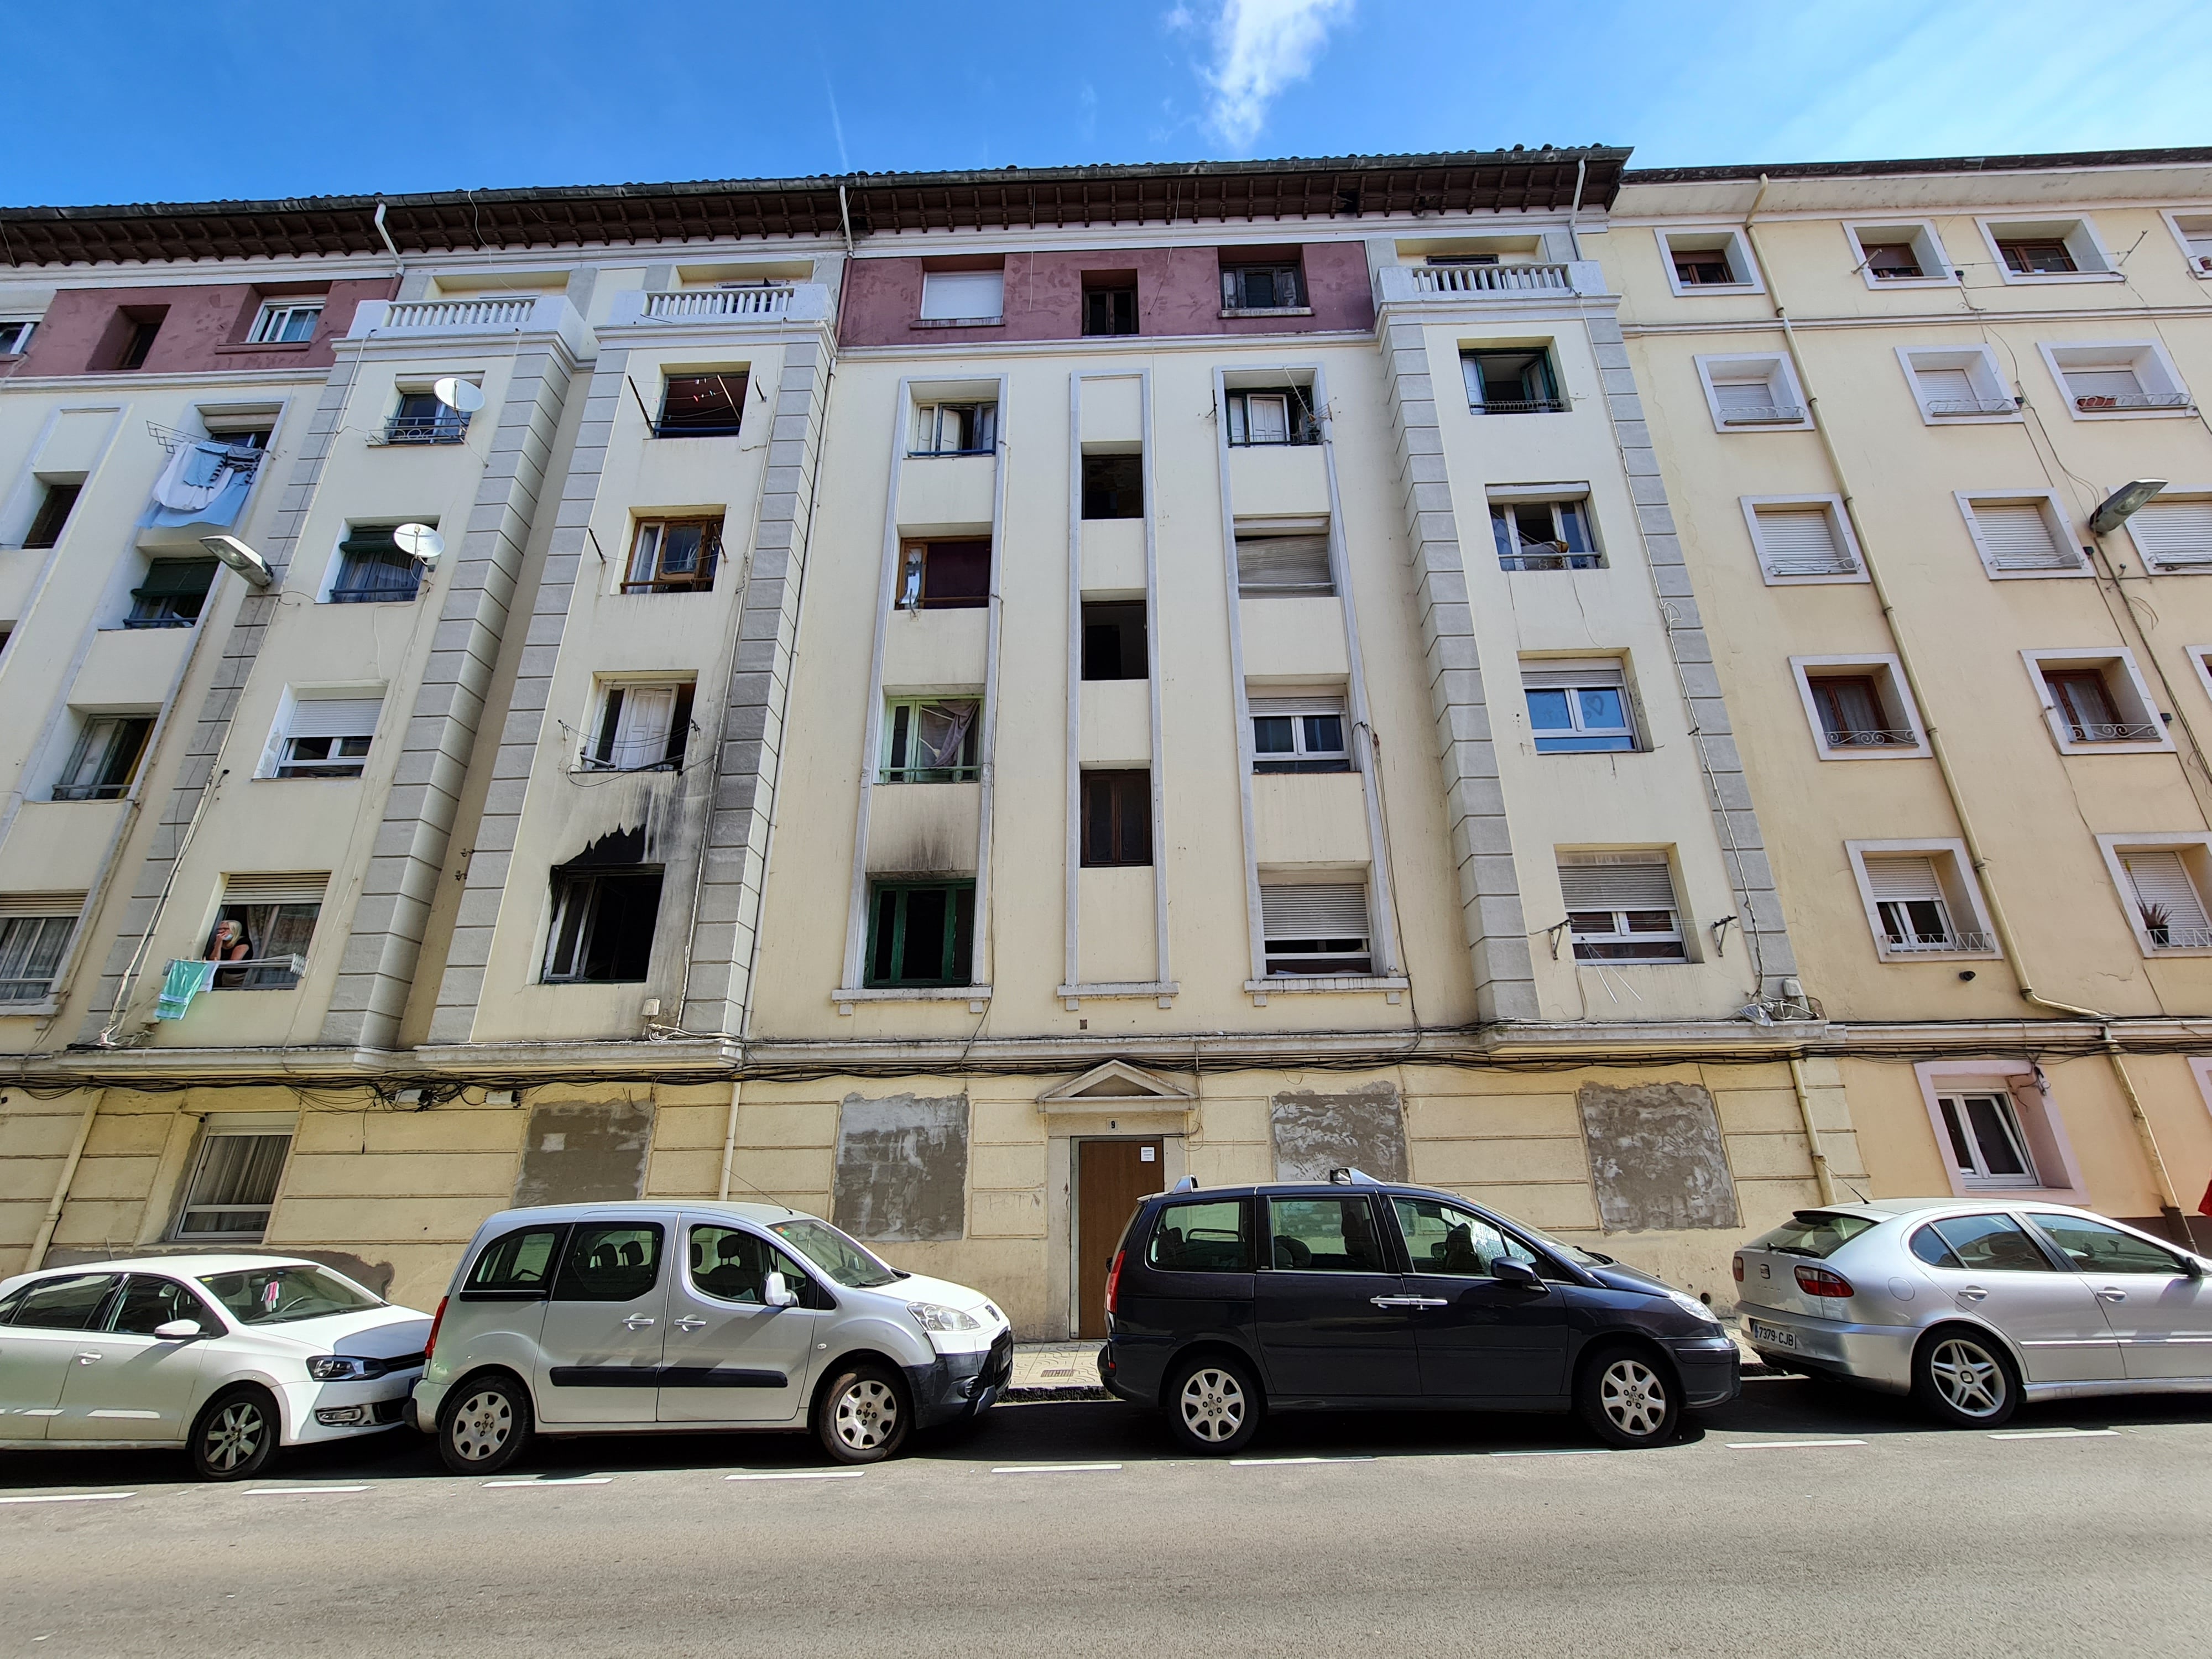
(240, 557)
(2113, 512)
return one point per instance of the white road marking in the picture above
(1055, 1468)
(1556, 1451)
(1287, 1462)
(71, 1498)
(1787, 1445)
(2055, 1434)
(296, 1492)
(562, 1480)
(796, 1474)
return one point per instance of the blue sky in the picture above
(110, 102)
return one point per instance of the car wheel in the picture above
(236, 1436)
(1213, 1405)
(1627, 1400)
(483, 1424)
(863, 1417)
(1964, 1378)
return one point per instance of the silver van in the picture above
(675, 1317)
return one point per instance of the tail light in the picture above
(1819, 1281)
(436, 1320)
(1737, 1266)
(1114, 1280)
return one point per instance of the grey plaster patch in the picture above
(1363, 1128)
(1656, 1156)
(902, 1168)
(585, 1154)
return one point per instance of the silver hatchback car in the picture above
(626, 1318)
(1973, 1306)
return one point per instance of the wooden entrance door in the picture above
(1112, 1177)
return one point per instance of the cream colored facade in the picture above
(432, 1065)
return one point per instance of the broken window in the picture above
(172, 594)
(1272, 418)
(372, 570)
(1510, 382)
(930, 740)
(641, 728)
(1283, 564)
(1110, 303)
(1113, 486)
(969, 428)
(54, 509)
(674, 556)
(701, 405)
(1117, 818)
(945, 576)
(1113, 641)
(1318, 927)
(1298, 734)
(920, 933)
(603, 920)
(1275, 287)
(106, 760)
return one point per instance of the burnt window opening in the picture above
(674, 556)
(1117, 819)
(701, 405)
(1113, 646)
(1113, 486)
(54, 509)
(1110, 303)
(921, 932)
(944, 576)
(172, 593)
(641, 728)
(603, 922)
(932, 740)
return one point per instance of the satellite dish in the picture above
(455, 392)
(418, 541)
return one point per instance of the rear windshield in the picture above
(834, 1254)
(1816, 1233)
(276, 1295)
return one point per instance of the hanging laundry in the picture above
(202, 484)
(183, 981)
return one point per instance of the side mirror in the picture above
(1514, 1270)
(777, 1294)
(2191, 1266)
(179, 1330)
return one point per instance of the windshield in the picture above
(276, 1295)
(834, 1254)
(1816, 1233)
(1560, 1248)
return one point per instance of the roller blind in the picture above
(1283, 564)
(1904, 879)
(2115, 382)
(290, 887)
(334, 717)
(1640, 886)
(2160, 878)
(1321, 704)
(1744, 394)
(39, 904)
(2017, 537)
(1330, 910)
(1801, 541)
(1946, 384)
(948, 294)
(1570, 675)
(2175, 532)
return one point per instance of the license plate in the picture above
(1762, 1332)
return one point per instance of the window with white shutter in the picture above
(35, 929)
(1959, 382)
(639, 727)
(2169, 911)
(968, 296)
(2118, 377)
(2019, 538)
(1621, 907)
(1751, 391)
(1801, 541)
(2175, 535)
(1908, 896)
(1315, 928)
(326, 737)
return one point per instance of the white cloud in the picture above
(1260, 48)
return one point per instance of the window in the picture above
(56, 503)
(2026, 535)
(964, 296)
(1273, 287)
(1272, 417)
(641, 728)
(139, 330)
(1324, 1236)
(1510, 382)
(149, 1304)
(2093, 1247)
(104, 764)
(1922, 900)
(2173, 533)
(1315, 928)
(35, 929)
(1110, 303)
(1210, 1237)
(603, 921)
(172, 594)
(323, 735)
(945, 576)
(1979, 1244)
(287, 322)
(1117, 819)
(701, 405)
(1900, 256)
(2095, 699)
(968, 428)
(2030, 256)
(1802, 538)
(421, 419)
(233, 1185)
(1698, 260)
(1113, 641)
(70, 1304)
(1543, 534)
(1961, 383)
(1859, 707)
(2168, 905)
(932, 740)
(1299, 735)
(2041, 250)
(1985, 1140)
(1746, 390)
(272, 918)
(517, 1266)
(609, 1262)
(732, 1265)
(2107, 379)
(1283, 560)
(1113, 486)
(1620, 908)
(15, 335)
(1444, 1240)
(2192, 230)
(920, 933)
(674, 556)
(372, 570)
(1578, 709)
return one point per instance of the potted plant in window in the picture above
(2157, 922)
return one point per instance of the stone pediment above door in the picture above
(1118, 1086)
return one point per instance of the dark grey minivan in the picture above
(1226, 1302)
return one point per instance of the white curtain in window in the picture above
(942, 731)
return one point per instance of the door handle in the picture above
(688, 1323)
(88, 1358)
(2111, 1295)
(636, 1322)
(1972, 1293)
(1406, 1302)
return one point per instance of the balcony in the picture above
(499, 316)
(450, 427)
(2107, 403)
(1955, 406)
(1939, 945)
(1487, 284)
(1872, 737)
(1765, 414)
(765, 305)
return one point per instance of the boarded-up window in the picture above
(1362, 1128)
(902, 1168)
(1655, 1158)
(589, 1154)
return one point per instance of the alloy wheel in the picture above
(866, 1415)
(1633, 1398)
(1212, 1404)
(482, 1426)
(234, 1435)
(1968, 1376)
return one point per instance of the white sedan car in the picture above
(228, 1356)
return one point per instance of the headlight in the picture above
(1690, 1304)
(931, 1317)
(336, 1368)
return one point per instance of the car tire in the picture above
(1627, 1399)
(1964, 1378)
(1214, 1405)
(864, 1416)
(235, 1435)
(484, 1423)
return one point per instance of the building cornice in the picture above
(2067, 162)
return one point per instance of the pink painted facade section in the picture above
(204, 330)
(1178, 293)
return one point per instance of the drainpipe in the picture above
(2168, 1207)
(37, 1258)
(117, 1014)
(1822, 1177)
(399, 265)
(2007, 942)
(1574, 242)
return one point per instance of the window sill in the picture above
(1269, 311)
(957, 322)
(1917, 750)
(293, 347)
(1393, 987)
(975, 996)
(1881, 284)
(1164, 991)
(1692, 292)
(2038, 278)
(47, 1005)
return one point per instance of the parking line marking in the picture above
(1056, 1469)
(1787, 1445)
(561, 1481)
(1287, 1462)
(296, 1492)
(796, 1474)
(70, 1497)
(2055, 1434)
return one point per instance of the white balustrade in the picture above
(461, 316)
(683, 304)
(1492, 279)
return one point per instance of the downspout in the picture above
(116, 1013)
(845, 219)
(399, 265)
(1822, 1177)
(52, 1218)
(2006, 941)
(1574, 242)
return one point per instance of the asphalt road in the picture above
(1796, 1521)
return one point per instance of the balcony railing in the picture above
(2179, 938)
(2101, 402)
(457, 316)
(1971, 406)
(1936, 945)
(1492, 279)
(1549, 557)
(451, 427)
(720, 302)
(1520, 406)
(2081, 732)
(1873, 737)
(1761, 415)
(493, 313)
(260, 974)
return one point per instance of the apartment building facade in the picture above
(956, 701)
